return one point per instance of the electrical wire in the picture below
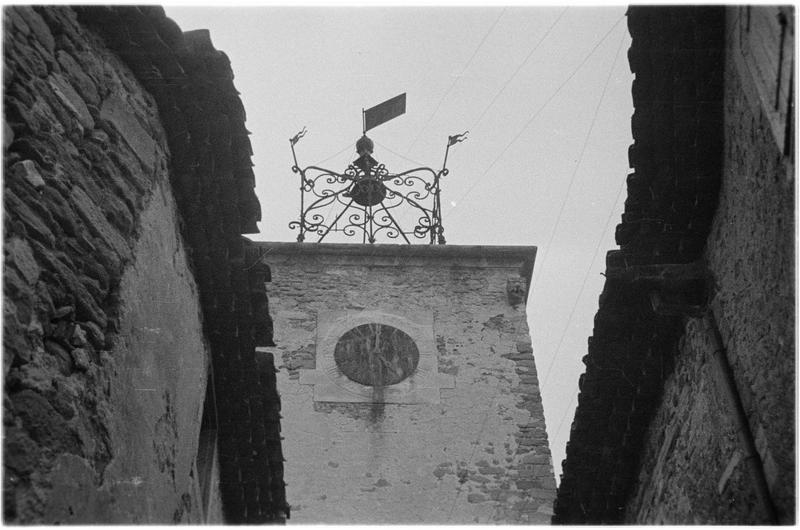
(583, 284)
(469, 62)
(533, 117)
(530, 54)
(578, 165)
(420, 164)
(339, 152)
(561, 211)
(564, 417)
(574, 396)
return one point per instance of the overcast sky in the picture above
(544, 91)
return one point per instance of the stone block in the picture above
(60, 210)
(94, 334)
(71, 100)
(34, 226)
(43, 424)
(26, 169)
(116, 111)
(97, 222)
(16, 22)
(78, 78)
(38, 27)
(476, 498)
(532, 458)
(81, 359)
(525, 347)
(19, 253)
(8, 135)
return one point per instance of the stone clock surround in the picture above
(331, 385)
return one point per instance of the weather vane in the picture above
(364, 199)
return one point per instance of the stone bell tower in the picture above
(408, 382)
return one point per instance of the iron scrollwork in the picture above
(366, 198)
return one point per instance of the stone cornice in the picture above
(521, 257)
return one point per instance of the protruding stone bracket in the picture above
(516, 291)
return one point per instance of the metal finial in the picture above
(364, 145)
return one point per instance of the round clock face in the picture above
(376, 355)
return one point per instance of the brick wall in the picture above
(475, 452)
(693, 467)
(104, 360)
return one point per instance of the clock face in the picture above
(376, 355)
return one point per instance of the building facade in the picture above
(131, 311)
(409, 388)
(686, 410)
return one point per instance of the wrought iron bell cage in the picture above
(366, 198)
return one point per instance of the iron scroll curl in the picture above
(366, 200)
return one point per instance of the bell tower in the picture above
(408, 383)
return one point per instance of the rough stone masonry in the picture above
(462, 440)
(97, 424)
(126, 278)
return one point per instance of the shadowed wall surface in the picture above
(125, 277)
(686, 411)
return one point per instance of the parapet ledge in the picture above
(521, 257)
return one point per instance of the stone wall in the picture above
(212, 178)
(463, 441)
(694, 468)
(104, 359)
(693, 471)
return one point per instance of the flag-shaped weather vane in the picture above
(366, 198)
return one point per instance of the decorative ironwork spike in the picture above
(456, 138)
(363, 199)
(296, 138)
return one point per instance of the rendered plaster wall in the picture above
(156, 385)
(104, 359)
(693, 469)
(473, 451)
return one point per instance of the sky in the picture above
(545, 93)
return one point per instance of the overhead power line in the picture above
(561, 211)
(339, 152)
(583, 284)
(554, 435)
(420, 164)
(469, 62)
(564, 417)
(578, 164)
(522, 64)
(535, 115)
